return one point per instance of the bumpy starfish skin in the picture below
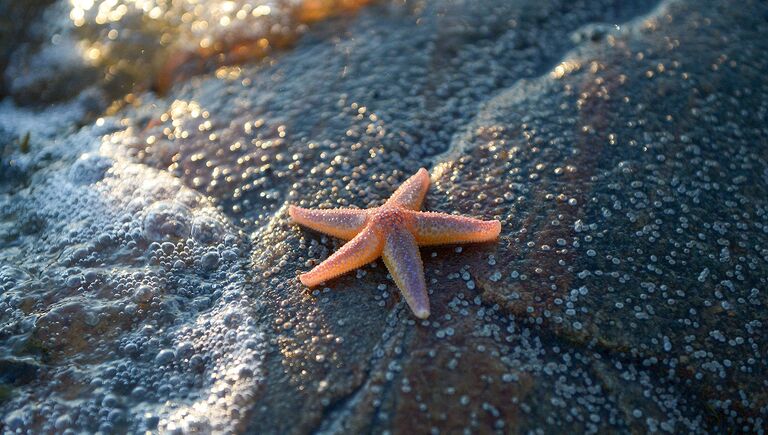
(394, 232)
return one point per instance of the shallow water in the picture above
(148, 266)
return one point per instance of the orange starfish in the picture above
(394, 232)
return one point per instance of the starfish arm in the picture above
(358, 252)
(442, 228)
(411, 193)
(401, 255)
(343, 223)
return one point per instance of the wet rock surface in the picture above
(148, 266)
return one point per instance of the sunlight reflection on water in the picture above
(131, 35)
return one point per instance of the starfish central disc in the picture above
(387, 218)
(393, 232)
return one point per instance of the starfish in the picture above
(393, 231)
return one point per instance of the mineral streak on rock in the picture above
(148, 267)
